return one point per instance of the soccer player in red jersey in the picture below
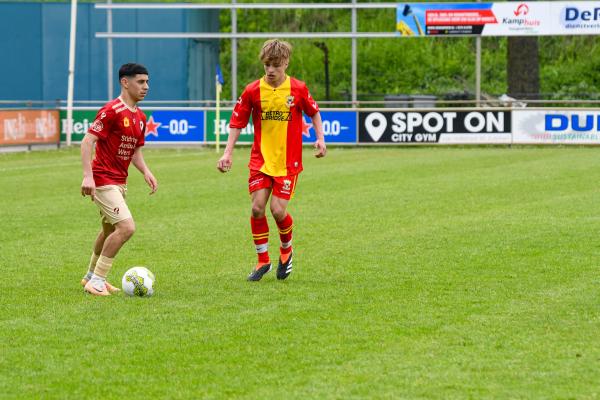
(275, 102)
(118, 133)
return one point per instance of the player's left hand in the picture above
(88, 187)
(224, 163)
(151, 181)
(320, 148)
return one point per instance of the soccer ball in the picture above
(138, 281)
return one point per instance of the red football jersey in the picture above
(277, 117)
(120, 130)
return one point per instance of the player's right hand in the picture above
(224, 164)
(88, 187)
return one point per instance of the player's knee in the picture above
(127, 228)
(258, 211)
(130, 230)
(278, 212)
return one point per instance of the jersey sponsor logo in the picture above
(126, 122)
(276, 116)
(97, 126)
(289, 101)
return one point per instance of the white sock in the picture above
(97, 281)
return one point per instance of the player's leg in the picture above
(106, 230)
(260, 233)
(111, 202)
(285, 224)
(283, 190)
(124, 230)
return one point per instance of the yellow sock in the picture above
(103, 266)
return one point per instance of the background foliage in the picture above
(435, 66)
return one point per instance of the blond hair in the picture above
(275, 51)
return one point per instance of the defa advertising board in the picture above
(428, 127)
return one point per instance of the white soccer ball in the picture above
(138, 281)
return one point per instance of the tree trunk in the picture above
(523, 69)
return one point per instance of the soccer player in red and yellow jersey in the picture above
(118, 133)
(275, 102)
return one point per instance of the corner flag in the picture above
(219, 78)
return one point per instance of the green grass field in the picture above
(419, 273)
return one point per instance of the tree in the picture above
(523, 67)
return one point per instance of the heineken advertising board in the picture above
(81, 123)
(247, 135)
(338, 127)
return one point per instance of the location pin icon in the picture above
(375, 124)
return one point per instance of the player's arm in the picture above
(239, 119)
(140, 164)
(320, 148)
(224, 163)
(310, 107)
(88, 186)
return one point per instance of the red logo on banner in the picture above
(523, 9)
(306, 128)
(152, 127)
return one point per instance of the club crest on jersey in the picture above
(287, 185)
(97, 126)
(126, 122)
(289, 101)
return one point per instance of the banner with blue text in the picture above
(535, 18)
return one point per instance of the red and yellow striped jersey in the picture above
(277, 117)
